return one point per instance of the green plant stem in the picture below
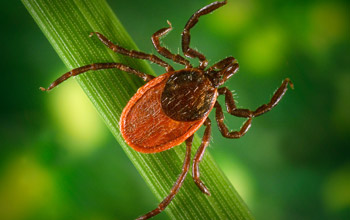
(67, 24)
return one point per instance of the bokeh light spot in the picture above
(340, 116)
(232, 18)
(337, 191)
(239, 176)
(80, 125)
(263, 52)
(24, 186)
(328, 23)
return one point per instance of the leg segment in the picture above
(177, 184)
(97, 66)
(199, 155)
(222, 64)
(133, 53)
(246, 113)
(165, 52)
(186, 38)
(224, 130)
(223, 70)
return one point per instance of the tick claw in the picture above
(42, 89)
(169, 24)
(92, 33)
(206, 191)
(291, 85)
(202, 187)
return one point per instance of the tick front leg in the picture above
(164, 51)
(97, 66)
(224, 69)
(132, 53)
(246, 113)
(186, 37)
(224, 130)
(222, 64)
(177, 184)
(199, 155)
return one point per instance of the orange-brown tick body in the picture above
(159, 117)
(169, 109)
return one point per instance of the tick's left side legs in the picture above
(98, 66)
(133, 53)
(199, 155)
(164, 51)
(177, 184)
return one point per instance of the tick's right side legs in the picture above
(199, 155)
(219, 115)
(97, 66)
(245, 113)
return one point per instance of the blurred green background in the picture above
(59, 161)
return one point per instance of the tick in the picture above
(170, 108)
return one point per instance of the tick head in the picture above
(220, 72)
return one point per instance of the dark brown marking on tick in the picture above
(170, 108)
(188, 95)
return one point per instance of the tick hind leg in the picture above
(97, 66)
(186, 37)
(199, 155)
(132, 53)
(164, 51)
(177, 184)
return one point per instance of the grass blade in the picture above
(67, 24)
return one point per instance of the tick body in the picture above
(170, 108)
(167, 110)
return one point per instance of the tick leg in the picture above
(223, 64)
(246, 113)
(277, 96)
(177, 184)
(199, 155)
(186, 38)
(224, 130)
(164, 51)
(132, 53)
(224, 69)
(97, 66)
